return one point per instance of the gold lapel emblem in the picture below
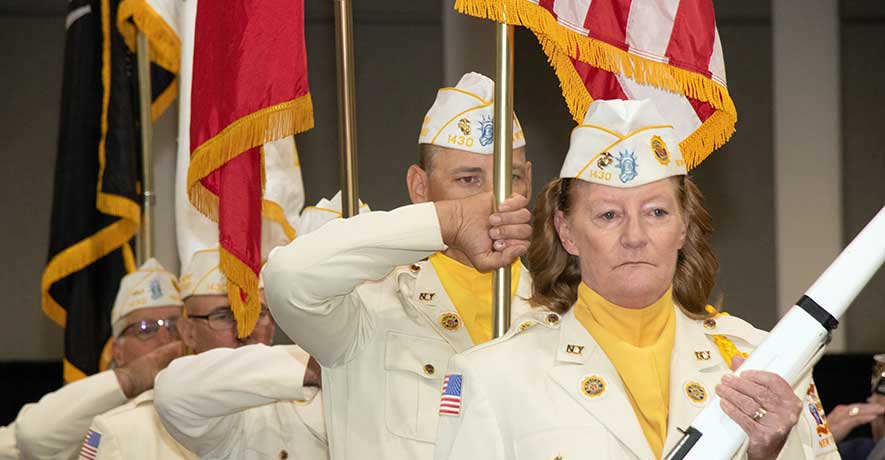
(659, 147)
(593, 386)
(426, 296)
(696, 392)
(525, 325)
(450, 321)
(703, 355)
(577, 350)
(710, 323)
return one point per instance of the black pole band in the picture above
(690, 437)
(818, 313)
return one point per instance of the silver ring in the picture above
(760, 412)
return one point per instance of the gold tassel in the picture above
(726, 347)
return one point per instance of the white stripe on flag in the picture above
(649, 26)
(717, 61)
(571, 13)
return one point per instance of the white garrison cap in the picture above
(314, 217)
(202, 275)
(623, 144)
(150, 286)
(462, 117)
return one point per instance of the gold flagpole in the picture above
(145, 240)
(503, 155)
(346, 108)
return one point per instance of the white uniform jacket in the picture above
(247, 403)
(550, 392)
(130, 432)
(8, 451)
(356, 295)
(53, 428)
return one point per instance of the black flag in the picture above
(96, 201)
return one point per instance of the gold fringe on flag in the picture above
(164, 44)
(560, 44)
(241, 280)
(255, 129)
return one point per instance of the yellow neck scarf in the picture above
(471, 293)
(639, 343)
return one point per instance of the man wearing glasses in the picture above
(217, 403)
(145, 340)
(136, 431)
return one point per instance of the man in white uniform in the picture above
(135, 431)
(144, 320)
(8, 451)
(216, 403)
(202, 398)
(382, 321)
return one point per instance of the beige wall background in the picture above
(405, 50)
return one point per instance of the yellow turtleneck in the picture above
(471, 293)
(638, 341)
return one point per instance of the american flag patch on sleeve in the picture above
(450, 402)
(90, 445)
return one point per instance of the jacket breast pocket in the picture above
(415, 368)
(572, 443)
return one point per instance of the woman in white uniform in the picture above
(627, 350)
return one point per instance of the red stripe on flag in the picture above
(607, 21)
(599, 83)
(548, 5)
(691, 42)
(239, 208)
(237, 70)
(703, 109)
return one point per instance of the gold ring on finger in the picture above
(854, 411)
(760, 412)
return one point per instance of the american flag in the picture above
(665, 50)
(90, 445)
(450, 402)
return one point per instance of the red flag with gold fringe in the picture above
(665, 50)
(249, 88)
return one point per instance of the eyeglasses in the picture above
(223, 318)
(147, 329)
